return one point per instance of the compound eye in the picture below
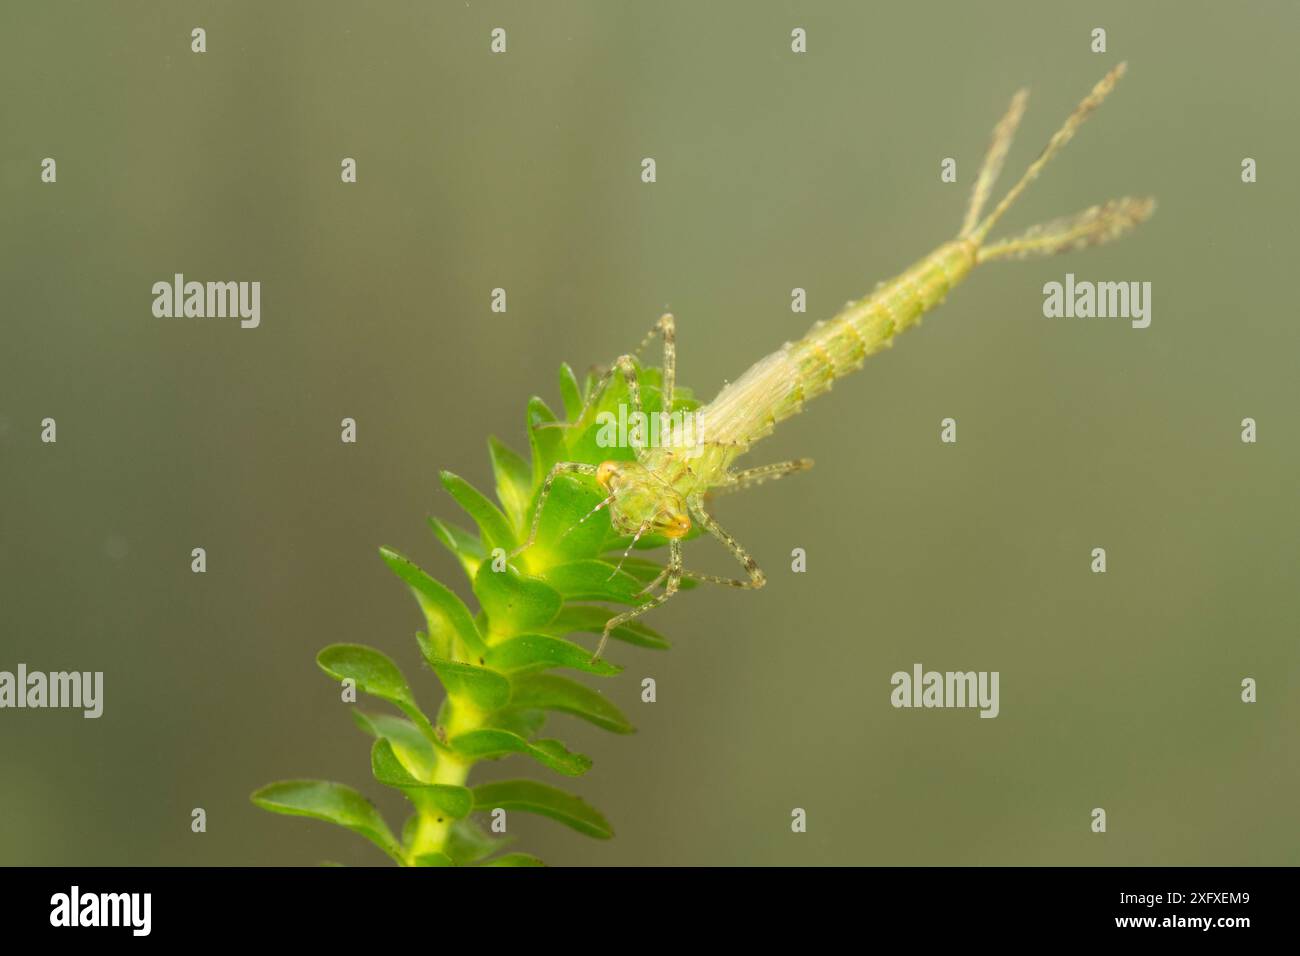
(605, 473)
(678, 527)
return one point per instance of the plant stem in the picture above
(434, 826)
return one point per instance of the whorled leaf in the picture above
(373, 671)
(412, 747)
(447, 615)
(486, 688)
(570, 393)
(389, 770)
(591, 619)
(469, 843)
(514, 481)
(375, 674)
(553, 692)
(534, 797)
(591, 441)
(589, 579)
(515, 603)
(493, 526)
(538, 651)
(489, 743)
(547, 444)
(569, 529)
(464, 546)
(333, 803)
(522, 721)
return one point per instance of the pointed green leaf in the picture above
(446, 614)
(568, 529)
(533, 797)
(652, 396)
(591, 444)
(333, 803)
(487, 744)
(546, 444)
(427, 650)
(592, 580)
(591, 619)
(468, 843)
(412, 747)
(514, 480)
(515, 859)
(650, 378)
(653, 379)
(464, 546)
(374, 673)
(570, 392)
(515, 603)
(537, 651)
(409, 829)
(523, 722)
(371, 670)
(432, 859)
(492, 524)
(486, 688)
(388, 770)
(553, 692)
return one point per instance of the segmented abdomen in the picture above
(778, 386)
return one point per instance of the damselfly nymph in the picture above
(663, 491)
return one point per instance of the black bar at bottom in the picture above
(338, 905)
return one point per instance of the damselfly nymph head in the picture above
(642, 503)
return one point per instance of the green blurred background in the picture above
(775, 170)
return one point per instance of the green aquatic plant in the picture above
(497, 666)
